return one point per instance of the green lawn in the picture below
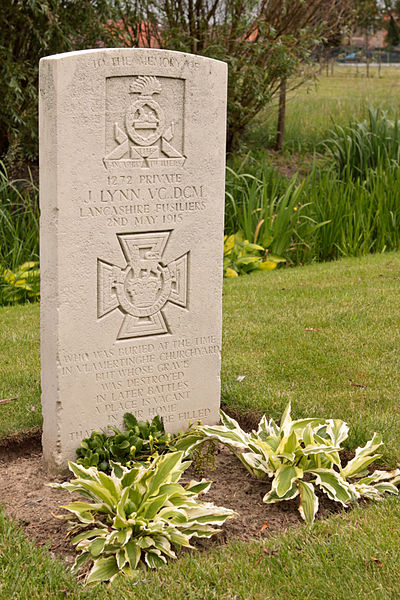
(347, 557)
(324, 336)
(312, 109)
(349, 368)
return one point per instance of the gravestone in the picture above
(132, 159)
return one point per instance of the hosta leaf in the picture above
(85, 535)
(132, 552)
(272, 497)
(83, 516)
(256, 464)
(286, 420)
(308, 437)
(173, 514)
(154, 561)
(180, 539)
(201, 531)
(171, 490)
(163, 545)
(80, 560)
(162, 473)
(334, 485)
(96, 546)
(376, 476)
(109, 484)
(319, 449)
(338, 431)
(230, 423)
(284, 478)
(80, 472)
(299, 425)
(386, 487)
(367, 491)
(364, 456)
(121, 537)
(121, 558)
(235, 439)
(103, 569)
(308, 501)
(151, 507)
(187, 443)
(268, 427)
(198, 487)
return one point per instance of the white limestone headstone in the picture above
(132, 160)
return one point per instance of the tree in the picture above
(393, 32)
(367, 16)
(29, 31)
(264, 42)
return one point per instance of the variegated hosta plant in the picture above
(137, 517)
(299, 455)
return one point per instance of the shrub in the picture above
(29, 31)
(241, 256)
(300, 455)
(20, 285)
(138, 515)
(142, 440)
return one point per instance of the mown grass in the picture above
(325, 337)
(312, 110)
(19, 368)
(353, 555)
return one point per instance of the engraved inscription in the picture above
(147, 132)
(144, 286)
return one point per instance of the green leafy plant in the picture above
(20, 285)
(138, 515)
(241, 256)
(299, 456)
(141, 441)
(365, 145)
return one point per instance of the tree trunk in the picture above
(281, 116)
(366, 52)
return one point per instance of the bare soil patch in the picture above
(26, 498)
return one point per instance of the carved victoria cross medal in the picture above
(142, 288)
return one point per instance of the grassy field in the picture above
(311, 110)
(324, 336)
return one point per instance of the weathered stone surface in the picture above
(132, 154)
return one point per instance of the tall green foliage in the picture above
(19, 221)
(364, 145)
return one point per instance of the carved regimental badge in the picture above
(146, 137)
(142, 288)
